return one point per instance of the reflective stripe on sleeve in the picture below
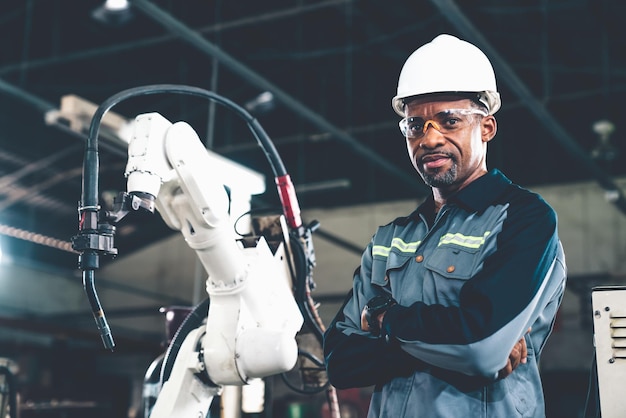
(404, 247)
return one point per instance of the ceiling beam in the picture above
(195, 39)
(152, 41)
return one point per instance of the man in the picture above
(452, 304)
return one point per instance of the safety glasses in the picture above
(446, 121)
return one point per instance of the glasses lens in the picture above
(412, 127)
(446, 121)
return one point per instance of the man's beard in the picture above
(441, 179)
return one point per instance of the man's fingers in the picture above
(506, 370)
(516, 356)
(364, 324)
(519, 353)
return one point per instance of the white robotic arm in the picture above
(253, 317)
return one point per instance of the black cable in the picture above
(592, 393)
(316, 361)
(191, 322)
(302, 297)
(313, 358)
(90, 179)
(301, 271)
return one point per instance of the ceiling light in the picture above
(604, 150)
(113, 13)
(263, 103)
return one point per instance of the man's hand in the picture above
(365, 326)
(374, 311)
(516, 357)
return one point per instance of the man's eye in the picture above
(416, 126)
(451, 121)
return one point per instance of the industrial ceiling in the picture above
(331, 67)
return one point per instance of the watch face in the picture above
(379, 302)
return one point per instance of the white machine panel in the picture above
(609, 321)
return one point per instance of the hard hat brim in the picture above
(489, 99)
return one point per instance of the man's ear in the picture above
(488, 128)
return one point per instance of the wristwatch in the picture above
(374, 307)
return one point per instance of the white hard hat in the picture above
(447, 64)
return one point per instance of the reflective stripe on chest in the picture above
(468, 241)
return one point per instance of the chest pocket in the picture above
(452, 261)
(448, 268)
(380, 266)
(456, 255)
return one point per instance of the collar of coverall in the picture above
(476, 196)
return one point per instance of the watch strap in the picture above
(374, 307)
